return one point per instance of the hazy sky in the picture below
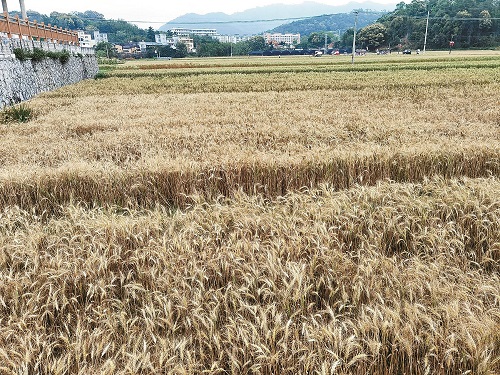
(155, 10)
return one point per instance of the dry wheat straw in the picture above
(397, 278)
(220, 218)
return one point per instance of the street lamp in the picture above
(354, 36)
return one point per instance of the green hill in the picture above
(338, 23)
(469, 23)
(257, 20)
(118, 31)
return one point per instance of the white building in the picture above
(90, 40)
(187, 41)
(180, 31)
(100, 37)
(282, 38)
(144, 45)
(231, 38)
(165, 40)
(85, 39)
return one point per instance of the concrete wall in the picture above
(22, 80)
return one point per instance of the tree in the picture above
(347, 38)
(471, 23)
(241, 49)
(33, 16)
(162, 51)
(180, 50)
(91, 28)
(118, 31)
(207, 46)
(105, 49)
(150, 35)
(315, 39)
(327, 23)
(92, 14)
(257, 43)
(397, 30)
(485, 24)
(373, 36)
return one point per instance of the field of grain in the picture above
(256, 216)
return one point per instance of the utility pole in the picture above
(23, 9)
(4, 6)
(426, 28)
(326, 45)
(354, 36)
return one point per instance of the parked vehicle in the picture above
(407, 52)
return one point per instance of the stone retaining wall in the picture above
(22, 80)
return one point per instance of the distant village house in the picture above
(91, 40)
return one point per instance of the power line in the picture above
(288, 19)
(241, 21)
(215, 22)
(229, 22)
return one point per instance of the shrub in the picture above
(101, 75)
(38, 54)
(21, 54)
(64, 56)
(20, 113)
(52, 54)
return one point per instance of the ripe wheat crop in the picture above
(396, 278)
(268, 132)
(256, 216)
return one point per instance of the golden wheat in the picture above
(393, 278)
(256, 216)
(165, 146)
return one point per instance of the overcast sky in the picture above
(160, 11)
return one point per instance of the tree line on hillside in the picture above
(119, 31)
(468, 23)
(338, 23)
(206, 46)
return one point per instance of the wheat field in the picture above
(256, 216)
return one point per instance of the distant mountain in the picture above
(333, 22)
(249, 22)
